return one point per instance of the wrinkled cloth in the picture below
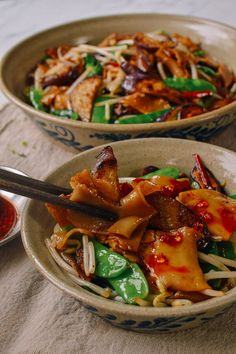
(36, 317)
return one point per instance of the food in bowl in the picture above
(171, 245)
(130, 79)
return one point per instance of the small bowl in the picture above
(132, 155)
(18, 202)
(217, 39)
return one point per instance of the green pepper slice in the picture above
(187, 84)
(35, 97)
(199, 53)
(131, 284)
(142, 118)
(109, 264)
(93, 64)
(165, 171)
(233, 196)
(98, 115)
(207, 70)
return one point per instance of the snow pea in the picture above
(233, 196)
(109, 264)
(142, 118)
(130, 284)
(207, 70)
(35, 97)
(165, 171)
(187, 84)
(93, 64)
(199, 53)
(206, 267)
(98, 115)
(65, 113)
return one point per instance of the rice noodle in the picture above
(85, 254)
(209, 259)
(219, 275)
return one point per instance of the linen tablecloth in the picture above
(36, 317)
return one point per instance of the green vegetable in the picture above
(199, 53)
(142, 118)
(64, 113)
(207, 70)
(92, 63)
(45, 58)
(166, 171)
(187, 84)
(35, 97)
(206, 267)
(130, 284)
(226, 249)
(233, 196)
(98, 115)
(67, 228)
(109, 264)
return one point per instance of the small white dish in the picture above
(18, 203)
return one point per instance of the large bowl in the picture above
(217, 38)
(132, 155)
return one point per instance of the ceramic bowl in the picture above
(217, 38)
(131, 155)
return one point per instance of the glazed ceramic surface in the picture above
(132, 156)
(218, 39)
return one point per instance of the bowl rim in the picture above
(111, 306)
(202, 118)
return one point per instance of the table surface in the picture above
(35, 316)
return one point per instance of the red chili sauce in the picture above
(8, 217)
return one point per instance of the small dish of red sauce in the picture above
(8, 217)
(11, 207)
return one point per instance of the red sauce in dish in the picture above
(8, 217)
(160, 264)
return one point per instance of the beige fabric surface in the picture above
(36, 317)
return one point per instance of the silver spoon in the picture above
(18, 202)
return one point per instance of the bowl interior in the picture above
(131, 155)
(218, 39)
